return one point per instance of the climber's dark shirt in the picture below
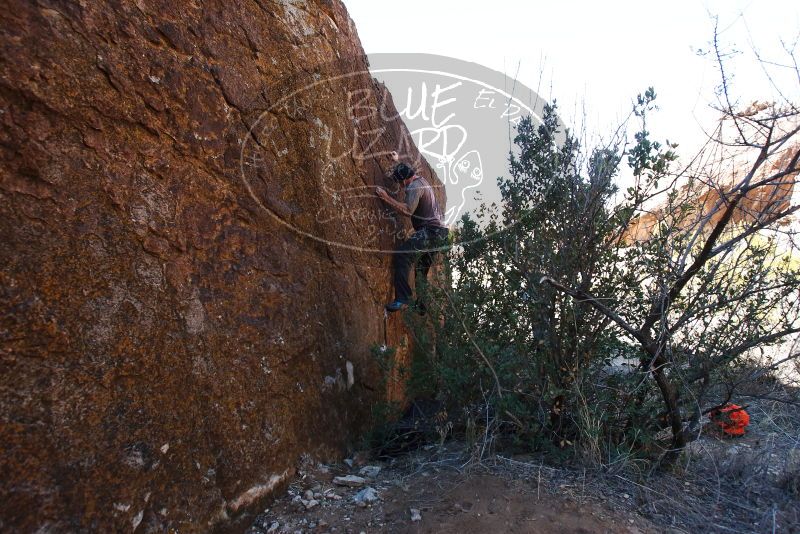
(421, 202)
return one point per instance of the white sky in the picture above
(599, 55)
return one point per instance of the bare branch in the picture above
(602, 308)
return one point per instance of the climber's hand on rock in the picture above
(394, 155)
(381, 192)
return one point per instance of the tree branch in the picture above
(602, 308)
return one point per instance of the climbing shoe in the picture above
(396, 305)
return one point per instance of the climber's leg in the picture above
(404, 257)
(421, 279)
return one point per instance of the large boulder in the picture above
(189, 286)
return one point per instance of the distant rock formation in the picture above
(721, 168)
(183, 315)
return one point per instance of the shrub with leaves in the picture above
(576, 320)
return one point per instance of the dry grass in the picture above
(743, 485)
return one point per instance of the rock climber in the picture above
(430, 233)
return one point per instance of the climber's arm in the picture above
(399, 206)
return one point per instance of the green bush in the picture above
(546, 291)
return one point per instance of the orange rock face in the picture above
(183, 314)
(706, 202)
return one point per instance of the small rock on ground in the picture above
(367, 495)
(370, 471)
(352, 481)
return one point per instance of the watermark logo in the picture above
(460, 116)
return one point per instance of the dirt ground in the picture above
(745, 485)
(488, 503)
(447, 502)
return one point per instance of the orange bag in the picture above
(731, 419)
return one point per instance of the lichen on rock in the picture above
(164, 339)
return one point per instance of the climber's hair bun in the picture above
(402, 172)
